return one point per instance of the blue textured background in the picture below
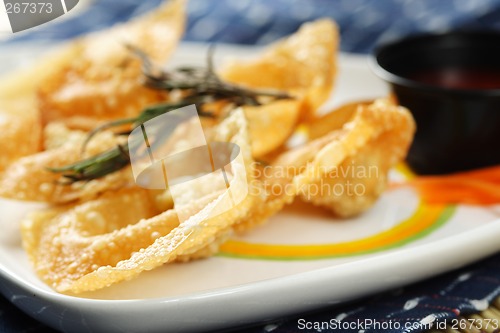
(362, 22)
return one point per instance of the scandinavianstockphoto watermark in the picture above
(171, 152)
(345, 180)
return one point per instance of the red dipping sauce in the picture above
(451, 83)
(459, 78)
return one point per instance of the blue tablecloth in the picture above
(363, 23)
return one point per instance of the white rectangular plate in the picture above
(302, 259)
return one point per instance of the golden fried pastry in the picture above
(20, 119)
(335, 119)
(20, 130)
(114, 238)
(57, 134)
(349, 173)
(30, 179)
(271, 125)
(103, 80)
(303, 65)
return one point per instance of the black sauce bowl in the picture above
(451, 84)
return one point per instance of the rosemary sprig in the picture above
(96, 166)
(198, 85)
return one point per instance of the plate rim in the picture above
(445, 250)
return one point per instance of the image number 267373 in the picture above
(26, 14)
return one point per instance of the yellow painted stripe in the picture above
(423, 219)
(405, 170)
